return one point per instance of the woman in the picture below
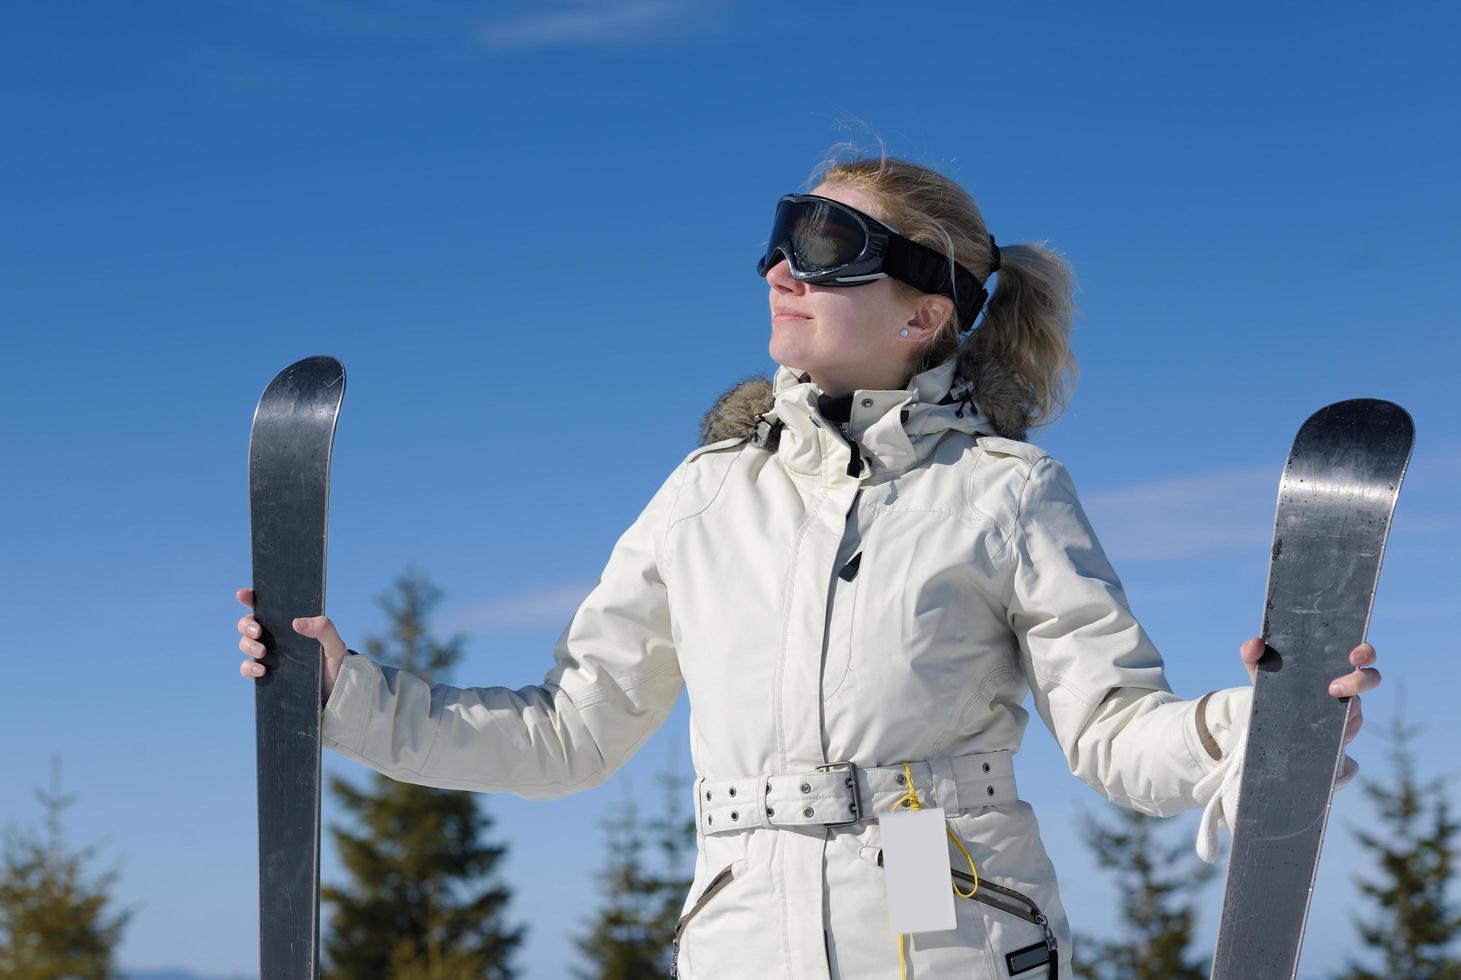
(858, 576)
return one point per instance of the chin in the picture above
(790, 353)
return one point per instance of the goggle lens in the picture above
(825, 241)
(821, 237)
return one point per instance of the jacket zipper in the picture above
(716, 884)
(846, 573)
(854, 464)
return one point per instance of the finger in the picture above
(1355, 683)
(1252, 650)
(246, 596)
(1369, 679)
(251, 648)
(251, 669)
(1356, 719)
(323, 630)
(248, 625)
(1362, 655)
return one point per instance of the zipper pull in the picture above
(854, 462)
(1049, 944)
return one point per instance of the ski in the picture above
(289, 482)
(1335, 502)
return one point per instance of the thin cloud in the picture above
(620, 22)
(1224, 512)
(1231, 511)
(550, 607)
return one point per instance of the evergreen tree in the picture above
(423, 902)
(674, 835)
(621, 945)
(631, 935)
(1158, 922)
(1413, 929)
(54, 925)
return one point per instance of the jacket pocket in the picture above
(717, 884)
(1009, 903)
(1017, 962)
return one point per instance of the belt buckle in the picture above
(851, 770)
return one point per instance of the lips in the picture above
(777, 314)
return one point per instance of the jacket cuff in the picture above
(343, 718)
(1218, 720)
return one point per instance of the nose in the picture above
(779, 275)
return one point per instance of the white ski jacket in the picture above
(852, 603)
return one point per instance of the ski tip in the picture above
(318, 371)
(317, 365)
(312, 384)
(1373, 420)
(1370, 410)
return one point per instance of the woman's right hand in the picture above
(332, 648)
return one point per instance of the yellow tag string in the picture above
(972, 870)
(910, 799)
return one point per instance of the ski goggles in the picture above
(828, 243)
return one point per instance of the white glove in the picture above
(1218, 791)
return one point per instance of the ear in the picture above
(928, 316)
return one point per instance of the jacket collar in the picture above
(899, 427)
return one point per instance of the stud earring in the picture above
(903, 332)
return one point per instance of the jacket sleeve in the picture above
(614, 681)
(1097, 679)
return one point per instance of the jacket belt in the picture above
(842, 793)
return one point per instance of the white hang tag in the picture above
(916, 870)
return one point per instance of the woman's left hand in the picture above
(1362, 678)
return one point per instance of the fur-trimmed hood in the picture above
(996, 391)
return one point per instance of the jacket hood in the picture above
(1001, 402)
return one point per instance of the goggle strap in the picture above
(921, 266)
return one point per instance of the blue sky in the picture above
(528, 231)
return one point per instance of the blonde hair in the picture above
(1027, 317)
